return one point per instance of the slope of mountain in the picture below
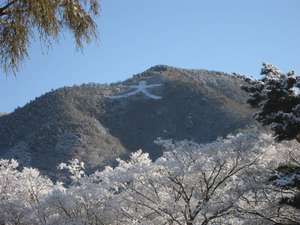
(83, 122)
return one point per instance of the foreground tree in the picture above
(22, 194)
(21, 20)
(193, 184)
(277, 96)
(185, 188)
(224, 182)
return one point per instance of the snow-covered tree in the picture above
(223, 182)
(21, 194)
(192, 183)
(277, 95)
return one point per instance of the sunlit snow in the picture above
(140, 88)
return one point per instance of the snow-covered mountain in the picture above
(98, 123)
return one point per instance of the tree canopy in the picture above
(22, 20)
(223, 182)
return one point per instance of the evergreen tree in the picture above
(277, 96)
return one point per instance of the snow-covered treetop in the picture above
(223, 182)
(270, 71)
(277, 96)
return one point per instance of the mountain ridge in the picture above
(83, 122)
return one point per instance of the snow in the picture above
(140, 88)
(296, 91)
(191, 183)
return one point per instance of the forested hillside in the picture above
(84, 122)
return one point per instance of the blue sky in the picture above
(229, 36)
